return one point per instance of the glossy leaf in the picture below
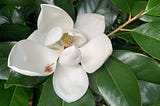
(54, 100)
(103, 7)
(16, 79)
(124, 5)
(144, 67)
(5, 48)
(148, 38)
(127, 36)
(150, 18)
(153, 8)
(10, 14)
(67, 6)
(150, 93)
(138, 6)
(17, 2)
(14, 96)
(117, 84)
(14, 32)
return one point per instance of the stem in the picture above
(126, 23)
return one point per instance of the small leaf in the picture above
(67, 6)
(144, 67)
(153, 7)
(16, 79)
(150, 93)
(116, 82)
(124, 5)
(103, 7)
(148, 38)
(49, 97)
(11, 32)
(14, 96)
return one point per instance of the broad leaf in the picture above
(10, 14)
(5, 48)
(153, 7)
(138, 6)
(150, 93)
(144, 67)
(67, 6)
(13, 32)
(14, 96)
(53, 100)
(17, 2)
(117, 84)
(150, 18)
(16, 79)
(124, 5)
(148, 38)
(103, 7)
(127, 36)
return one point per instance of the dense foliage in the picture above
(130, 77)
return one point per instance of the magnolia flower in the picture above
(67, 49)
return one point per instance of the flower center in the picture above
(66, 40)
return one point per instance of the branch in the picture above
(126, 23)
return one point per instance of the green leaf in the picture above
(5, 48)
(127, 36)
(144, 67)
(148, 38)
(150, 18)
(124, 5)
(67, 6)
(14, 96)
(150, 93)
(103, 7)
(138, 6)
(10, 14)
(117, 84)
(49, 97)
(14, 32)
(16, 79)
(153, 7)
(17, 2)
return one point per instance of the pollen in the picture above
(48, 68)
(67, 40)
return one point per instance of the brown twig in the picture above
(126, 23)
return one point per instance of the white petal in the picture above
(90, 24)
(95, 53)
(70, 56)
(53, 36)
(79, 39)
(47, 39)
(70, 83)
(52, 16)
(30, 58)
(37, 37)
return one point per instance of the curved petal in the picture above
(52, 16)
(32, 59)
(95, 53)
(47, 39)
(70, 83)
(90, 24)
(70, 56)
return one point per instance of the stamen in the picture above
(49, 68)
(67, 40)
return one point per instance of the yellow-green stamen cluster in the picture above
(67, 40)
